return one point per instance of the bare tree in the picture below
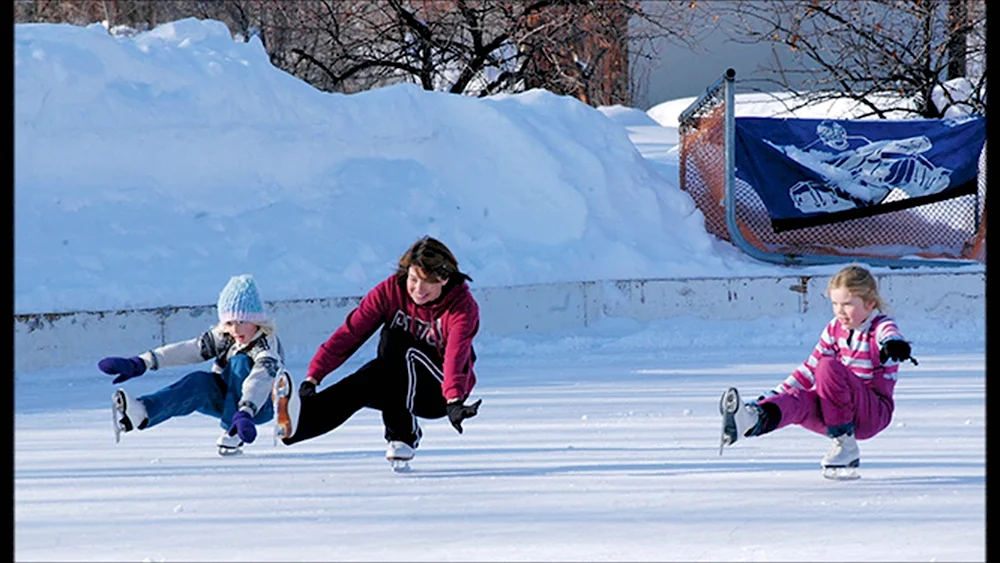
(957, 60)
(587, 49)
(473, 47)
(863, 49)
(139, 14)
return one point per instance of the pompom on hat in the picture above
(240, 301)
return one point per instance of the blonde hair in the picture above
(857, 280)
(267, 327)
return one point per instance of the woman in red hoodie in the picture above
(424, 364)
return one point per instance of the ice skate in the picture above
(841, 462)
(127, 414)
(737, 417)
(399, 455)
(229, 445)
(286, 406)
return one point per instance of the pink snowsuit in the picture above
(843, 381)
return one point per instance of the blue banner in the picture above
(818, 171)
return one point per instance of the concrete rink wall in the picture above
(62, 339)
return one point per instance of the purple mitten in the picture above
(124, 368)
(244, 426)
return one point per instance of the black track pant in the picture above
(403, 385)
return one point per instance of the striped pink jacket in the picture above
(857, 349)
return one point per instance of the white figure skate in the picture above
(399, 455)
(127, 414)
(841, 462)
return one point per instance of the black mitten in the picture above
(896, 349)
(307, 388)
(459, 411)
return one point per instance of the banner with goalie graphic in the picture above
(819, 171)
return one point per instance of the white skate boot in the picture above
(127, 413)
(399, 455)
(842, 460)
(229, 445)
(737, 417)
(286, 406)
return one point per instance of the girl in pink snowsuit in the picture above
(844, 389)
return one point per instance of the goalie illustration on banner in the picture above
(809, 172)
(865, 175)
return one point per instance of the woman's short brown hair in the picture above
(433, 257)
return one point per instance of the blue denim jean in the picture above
(214, 394)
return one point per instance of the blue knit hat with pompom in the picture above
(240, 301)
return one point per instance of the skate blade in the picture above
(841, 473)
(399, 465)
(729, 403)
(283, 422)
(115, 426)
(228, 452)
(118, 416)
(726, 441)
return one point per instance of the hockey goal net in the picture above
(953, 229)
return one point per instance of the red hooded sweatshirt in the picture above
(444, 328)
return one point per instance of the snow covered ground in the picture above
(150, 169)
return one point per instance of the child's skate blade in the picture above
(841, 473)
(114, 424)
(118, 418)
(848, 472)
(281, 399)
(729, 403)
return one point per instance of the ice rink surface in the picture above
(573, 457)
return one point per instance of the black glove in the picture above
(459, 411)
(896, 349)
(307, 388)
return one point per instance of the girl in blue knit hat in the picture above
(246, 357)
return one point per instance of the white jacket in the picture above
(263, 349)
